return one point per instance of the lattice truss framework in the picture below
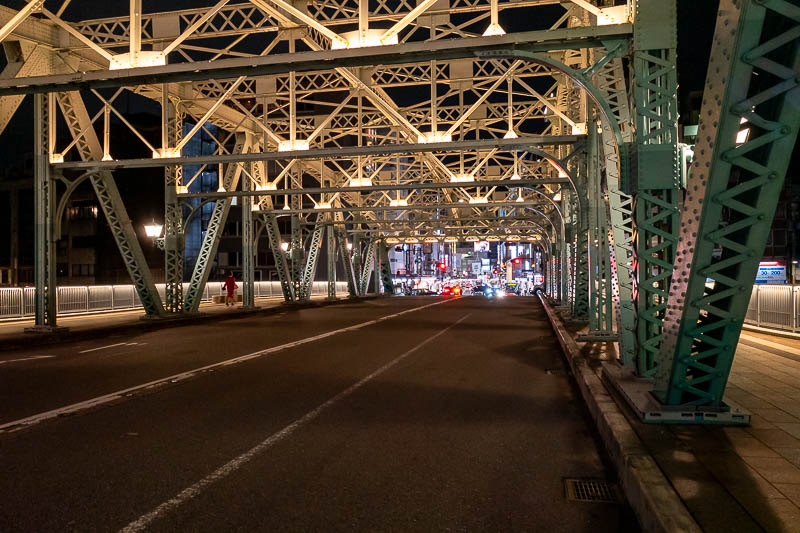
(369, 106)
(508, 133)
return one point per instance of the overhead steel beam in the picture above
(424, 220)
(444, 50)
(375, 188)
(521, 144)
(412, 207)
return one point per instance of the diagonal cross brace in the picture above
(216, 224)
(281, 265)
(311, 260)
(77, 118)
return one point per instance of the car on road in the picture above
(422, 292)
(480, 289)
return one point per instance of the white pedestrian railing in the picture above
(774, 306)
(19, 302)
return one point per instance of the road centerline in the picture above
(31, 358)
(31, 420)
(102, 347)
(235, 464)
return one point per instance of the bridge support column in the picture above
(600, 311)
(172, 132)
(580, 302)
(376, 275)
(357, 261)
(747, 132)
(248, 251)
(563, 264)
(331, 246)
(347, 261)
(657, 170)
(44, 206)
(386, 270)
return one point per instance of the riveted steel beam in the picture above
(532, 41)
(747, 132)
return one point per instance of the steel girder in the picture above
(274, 237)
(310, 269)
(88, 146)
(347, 260)
(732, 193)
(580, 300)
(377, 188)
(331, 246)
(600, 307)
(172, 133)
(248, 249)
(213, 235)
(45, 305)
(524, 143)
(565, 248)
(376, 274)
(357, 258)
(657, 195)
(368, 263)
(23, 60)
(449, 49)
(386, 269)
(610, 80)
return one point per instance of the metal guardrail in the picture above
(18, 302)
(775, 306)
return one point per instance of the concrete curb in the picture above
(770, 331)
(28, 340)
(653, 499)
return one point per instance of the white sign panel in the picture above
(771, 272)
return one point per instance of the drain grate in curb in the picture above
(591, 490)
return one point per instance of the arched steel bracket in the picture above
(578, 76)
(62, 202)
(194, 209)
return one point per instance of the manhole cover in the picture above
(591, 490)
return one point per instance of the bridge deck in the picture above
(445, 414)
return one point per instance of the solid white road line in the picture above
(27, 358)
(15, 425)
(233, 465)
(102, 347)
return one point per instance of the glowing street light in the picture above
(153, 230)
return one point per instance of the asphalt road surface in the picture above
(400, 414)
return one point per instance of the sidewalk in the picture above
(13, 335)
(733, 478)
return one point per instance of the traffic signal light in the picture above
(442, 266)
(516, 260)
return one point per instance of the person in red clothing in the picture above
(231, 286)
